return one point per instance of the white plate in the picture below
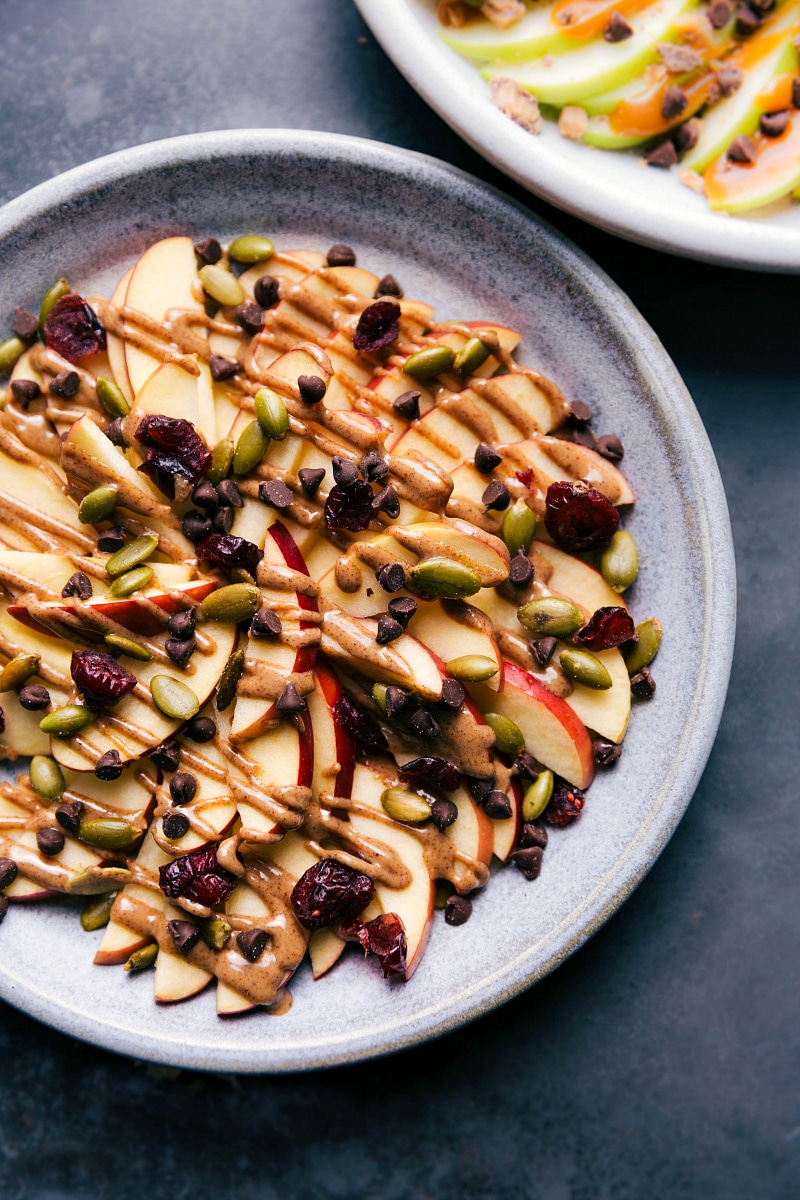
(606, 188)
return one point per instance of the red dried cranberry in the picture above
(358, 724)
(198, 877)
(330, 891)
(608, 627)
(377, 326)
(436, 772)
(349, 507)
(385, 937)
(173, 447)
(73, 329)
(2, 721)
(525, 477)
(230, 551)
(578, 517)
(100, 678)
(566, 803)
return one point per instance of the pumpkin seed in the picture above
(251, 249)
(96, 912)
(508, 737)
(537, 797)
(429, 362)
(111, 398)
(142, 960)
(620, 561)
(405, 806)
(173, 698)
(519, 527)
(128, 647)
(46, 777)
(221, 459)
(215, 932)
(250, 448)
(445, 578)
(10, 350)
(233, 603)
(550, 616)
(471, 356)
(52, 295)
(239, 575)
(97, 505)
(131, 555)
(97, 881)
(641, 653)
(18, 671)
(379, 691)
(271, 414)
(229, 680)
(108, 833)
(585, 668)
(474, 668)
(130, 582)
(221, 285)
(67, 721)
(444, 890)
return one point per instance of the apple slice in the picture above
(404, 661)
(325, 948)
(161, 280)
(460, 541)
(172, 392)
(537, 33)
(22, 735)
(118, 944)
(271, 780)
(176, 978)
(506, 832)
(334, 753)
(41, 517)
(471, 833)
(115, 346)
(132, 614)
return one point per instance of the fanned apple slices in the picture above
(269, 582)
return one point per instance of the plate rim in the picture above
(718, 576)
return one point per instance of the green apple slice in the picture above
(735, 187)
(539, 32)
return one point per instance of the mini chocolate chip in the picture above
(4, 906)
(174, 825)
(69, 816)
(373, 467)
(496, 496)
(407, 405)
(341, 255)
(65, 385)
(50, 841)
(453, 693)
(370, 591)
(457, 910)
(310, 479)
(402, 609)
(497, 806)
(663, 155)
(584, 437)
(763, 6)
(205, 496)
(181, 624)
(526, 767)
(529, 861)
(424, 724)
(580, 412)
(200, 730)
(387, 286)
(250, 316)
(388, 630)
(25, 325)
(252, 943)
(222, 368)
(182, 788)
(275, 493)
(605, 752)
(209, 250)
(773, 124)
(79, 585)
(396, 700)
(33, 697)
(266, 624)
(8, 873)
(166, 756)
(520, 572)
(479, 789)
(796, 93)
(719, 13)
(391, 577)
(486, 458)
(686, 136)
(112, 539)
(444, 813)
(25, 391)
(290, 700)
(267, 291)
(610, 446)
(747, 20)
(180, 650)
(229, 494)
(617, 29)
(312, 388)
(345, 472)
(184, 934)
(643, 686)
(730, 79)
(108, 766)
(222, 520)
(195, 526)
(742, 149)
(673, 103)
(542, 649)
(115, 433)
(387, 501)
(533, 835)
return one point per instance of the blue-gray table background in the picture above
(662, 1061)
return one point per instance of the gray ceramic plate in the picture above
(474, 254)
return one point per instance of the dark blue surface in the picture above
(662, 1061)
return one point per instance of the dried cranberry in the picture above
(566, 803)
(72, 329)
(435, 772)
(198, 877)
(578, 517)
(100, 678)
(377, 326)
(2, 721)
(358, 724)
(330, 891)
(525, 477)
(173, 438)
(385, 937)
(608, 627)
(349, 507)
(230, 551)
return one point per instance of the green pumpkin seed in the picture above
(108, 833)
(52, 295)
(10, 350)
(271, 414)
(508, 737)
(130, 582)
(251, 249)
(519, 527)
(620, 561)
(233, 603)
(97, 881)
(173, 698)
(379, 691)
(221, 285)
(429, 362)
(98, 505)
(18, 671)
(128, 647)
(131, 555)
(239, 575)
(215, 933)
(221, 459)
(250, 448)
(445, 578)
(46, 777)
(550, 616)
(471, 356)
(473, 668)
(641, 653)
(111, 398)
(96, 912)
(229, 680)
(67, 721)
(444, 890)
(537, 797)
(405, 806)
(585, 668)
(142, 960)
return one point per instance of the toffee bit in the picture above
(424, 724)
(387, 286)
(250, 316)
(78, 585)
(341, 255)
(222, 368)
(65, 385)
(252, 943)
(290, 700)
(679, 59)
(453, 693)
(542, 649)
(166, 756)
(182, 788)
(209, 250)
(25, 391)
(391, 578)
(266, 624)
(457, 910)
(275, 493)
(516, 103)
(388, 630)
(387, 501)
(573, 121)
(201, 730)
(402, 609)
(407, 406)
(520, 572)
(312, 388)
(444, 813)
(267, 291)
(69, 816)
(617, 29)
(610, 446)
(108, 766)
(528, 861)
(345, 472)
(310, 479)
(26, 325)
(486, 459)
(497, 496)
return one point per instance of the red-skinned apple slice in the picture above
(271, 779)
(131, 614)
(334, 753)
(506, 832)
(173, 392)
(161, 280)
(472, 832)
(405, 661)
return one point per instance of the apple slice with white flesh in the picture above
(119, 941)
(41, 517)
(22, 736)
(271, 778)
(405, 661)
(472, 832)
(172, 392)
(176, 978)
(506, 832)
(161, 280)
(334, 753)
(537, 33)
(115, 346)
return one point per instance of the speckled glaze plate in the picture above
(605, 188)
(472, 253)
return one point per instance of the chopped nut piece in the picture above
(503, 13)
(691, 180)
(516, 103)
(678, 59)
(573, 122)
